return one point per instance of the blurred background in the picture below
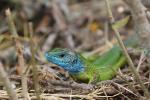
(81, 25)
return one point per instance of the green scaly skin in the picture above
(102, 68)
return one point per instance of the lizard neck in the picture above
(81, 76)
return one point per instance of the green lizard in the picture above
(101, 68)
(81, 69)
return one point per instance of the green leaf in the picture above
(121, 23)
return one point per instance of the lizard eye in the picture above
(61, 55)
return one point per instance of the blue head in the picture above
(66, 59)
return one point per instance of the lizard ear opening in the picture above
(74, 61)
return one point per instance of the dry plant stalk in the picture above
(34, 68)
(19, 50)
(4, 78)
(131, 65)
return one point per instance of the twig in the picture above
(61, 23)
(140, 61)
(120, 86)
(136, 74)
(59, 18)
(73, 85)
(25, 29)
(49, 42)
(107, 42)
(19, 50)
(4, 78)
(105, 93)
(35, 70)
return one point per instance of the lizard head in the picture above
(67, 59)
